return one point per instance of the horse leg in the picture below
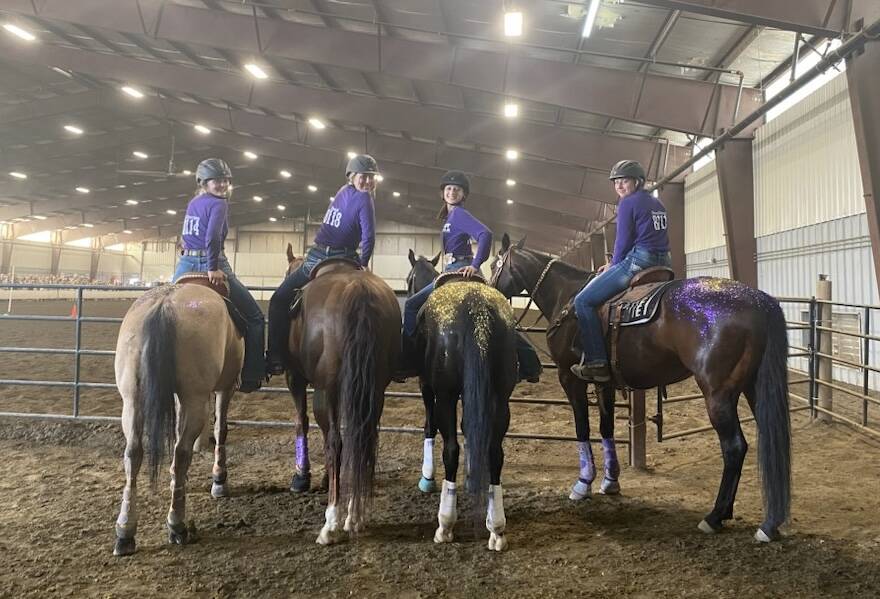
(426, 483)
(329, 421)
(721, 406)
(576, 392)
(302, 475)
(445, 413)
(496, 522)
(126, 523)
(610, 483)
(218, 487)
(203, 441)
(190, 423)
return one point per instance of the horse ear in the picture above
(505, 243)
(436, 258)
(412, 257)
(290, 256)
(521, 243)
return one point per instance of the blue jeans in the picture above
(254, 365)
(279, 322)
(604, 287)
(417, 300)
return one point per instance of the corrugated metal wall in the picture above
(806, 163)
(711, 262)
(703, 223)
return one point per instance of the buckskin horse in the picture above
(729, 336)
(467, 335)
(175, 339)
(344, 339)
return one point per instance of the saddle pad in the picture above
(201, 278)
(447, 277)
(639, 304)
(319, 267)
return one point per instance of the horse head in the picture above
(504, 272)
(422, 272)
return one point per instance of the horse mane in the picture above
(566, 267)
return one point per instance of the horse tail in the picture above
(772, 418)
(360, 400)
(157, 375)
(478, 324)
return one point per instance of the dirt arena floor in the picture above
(61, 484)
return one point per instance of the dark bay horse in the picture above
(344, 341)
(175, 339)
(729, 336)
(423, 271)
(467, 336)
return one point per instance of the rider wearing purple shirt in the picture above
(642, 242)
(204, 231)
(350, 221)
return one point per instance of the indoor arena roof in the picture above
(112, 103)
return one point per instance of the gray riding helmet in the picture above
(362, 163)
(212, 168)
(627, 168)
(456, 178)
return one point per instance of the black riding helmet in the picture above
(212, 168)
(456, 178)
(628, 168)
(362, 163)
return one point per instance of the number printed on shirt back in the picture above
(333, 217)
(659, 219)
(191, 225)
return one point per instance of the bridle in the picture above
(507, 258)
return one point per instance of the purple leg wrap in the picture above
(302, 454)
(588, 469)
(612, 466)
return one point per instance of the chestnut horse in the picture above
(175, 339)
(344, 341)
(730, 337)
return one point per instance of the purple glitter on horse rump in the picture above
(707, 300)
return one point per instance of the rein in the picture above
(508, 257)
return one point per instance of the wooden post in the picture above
(823, 292)
(637, 429)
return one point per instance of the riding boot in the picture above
(529, 364)
(595, 371)
(279, 332)
(254, 366)
(409, 361)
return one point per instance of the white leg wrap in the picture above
(447, 514)
(329, 534)
(350, 524)
(495, 520)
(428, 459)
(579, 491)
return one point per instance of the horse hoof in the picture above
(427, 485)
(352, 527)
(609, 487)
(178, 534)
(443, 535)
(707, 528)
(301, 483)
(219, 490)
(497, 542)
(763, 537)
(124, 547)
(580, 491)
(327, 537)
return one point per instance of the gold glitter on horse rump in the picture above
(483, 304)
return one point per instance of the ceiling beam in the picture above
(663, 101)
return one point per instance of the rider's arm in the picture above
(214, 233)
(367, 216)
(481, 233)
(626, 231)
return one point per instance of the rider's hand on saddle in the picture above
(603, 268)
(216, 277)
(468, 271)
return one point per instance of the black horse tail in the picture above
(774, 425)
(478, 407)
(157, 375)
(359, 398)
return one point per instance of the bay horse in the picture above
(730, 337)
(467, 336)
(344, 341)
(422, 272)
(175, 339)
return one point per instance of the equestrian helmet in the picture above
(362, 163)
(456, 178)
(627, 168)
(212, 168)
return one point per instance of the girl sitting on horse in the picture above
(204, 232)
(350, 220)
(459, 227)
(641, 242)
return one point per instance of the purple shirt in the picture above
(205, 227)
(458, 230)
(641, 221)
(350, 219)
